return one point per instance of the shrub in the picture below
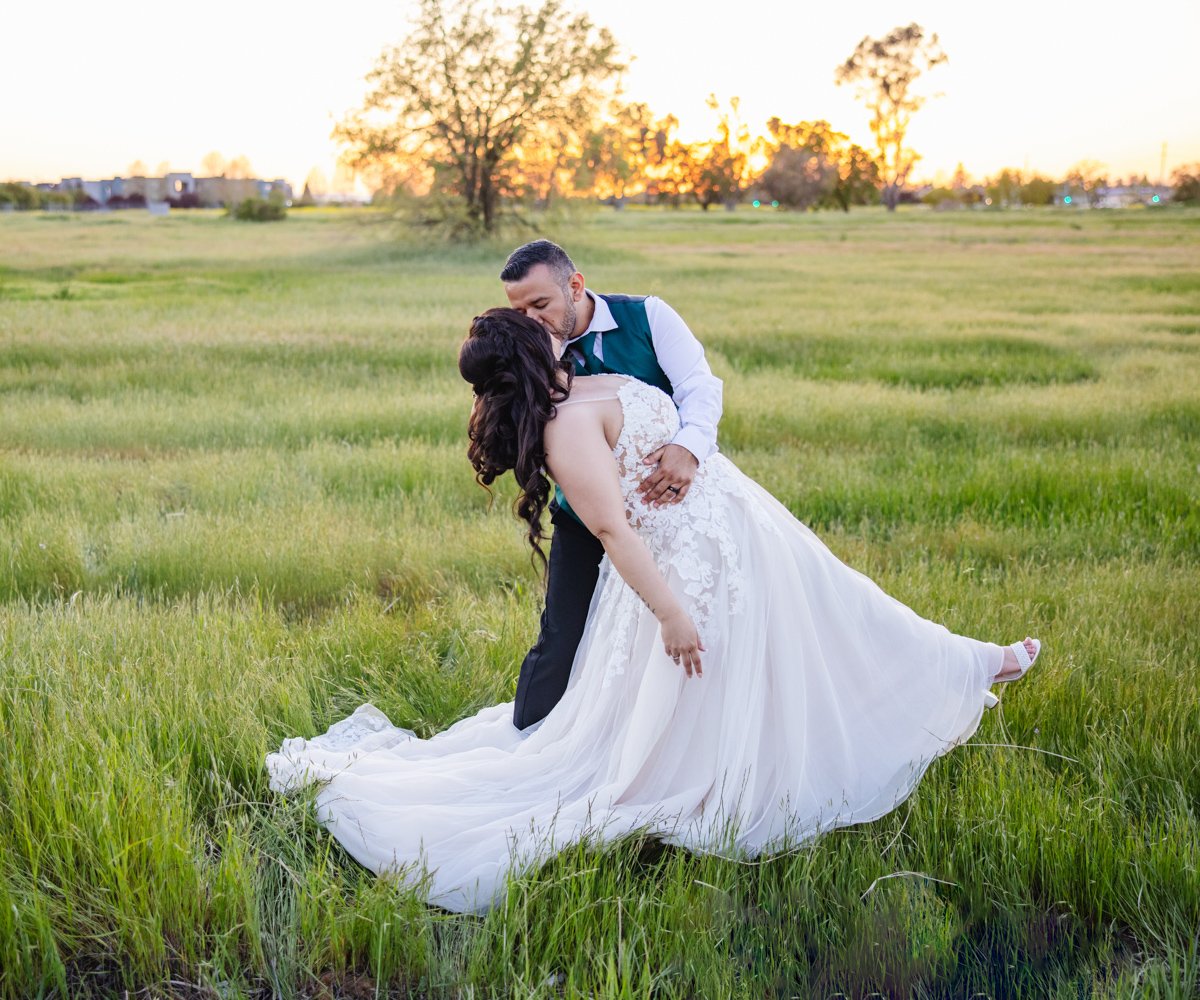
(255, 209)
(60, 200)
(942, 197)
(20, 195)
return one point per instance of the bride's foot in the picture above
(1015, 664)
(1018, 658)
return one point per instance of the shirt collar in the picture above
(602, 318)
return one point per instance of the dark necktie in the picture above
(590, 364)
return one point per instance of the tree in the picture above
(798, 177)
(1186, 181)
(468, 84)
(239, 169)
(616, 153)
(22, 196)
(886, 70)
(316, 184)
(1038, 191)
(858, 178)
(137, 169)
(213, 164)
(541, 165)
(1005, 189)
(722, 164)
(668, 163)
(814, 166)
(1089, 180)
(710, 174)
(345, 179)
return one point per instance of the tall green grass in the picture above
(234, 504)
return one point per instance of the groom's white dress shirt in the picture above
(697, 389)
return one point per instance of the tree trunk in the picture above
(487, 198)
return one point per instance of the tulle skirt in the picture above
(823, 701)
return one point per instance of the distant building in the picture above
(1115, 196)
(180, 190)
(1124, 195)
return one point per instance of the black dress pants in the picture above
(575, 555)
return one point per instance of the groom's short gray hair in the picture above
(521, 260)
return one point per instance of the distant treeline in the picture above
(26, 196)
(1084, 185)
(823, 170)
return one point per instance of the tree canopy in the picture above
(886, 70)
(1186, 181)
(814, 166)
(451, 106)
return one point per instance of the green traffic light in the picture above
(756, 203)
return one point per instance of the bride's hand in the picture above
(682, 642)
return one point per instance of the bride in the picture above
(737, 688)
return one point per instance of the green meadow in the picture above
(235, 503)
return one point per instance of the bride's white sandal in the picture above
(1024, 662)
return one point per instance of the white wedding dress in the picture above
(822, 702)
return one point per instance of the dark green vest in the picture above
(628, 350)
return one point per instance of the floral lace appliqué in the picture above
(673, 532)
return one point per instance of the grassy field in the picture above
(234, 503)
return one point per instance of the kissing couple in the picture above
(706, 672)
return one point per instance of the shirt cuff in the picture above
(695, 441)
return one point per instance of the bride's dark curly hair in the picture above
(510, 362)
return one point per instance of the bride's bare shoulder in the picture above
(573, 415)
(584, 417)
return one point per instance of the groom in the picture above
(640, 336)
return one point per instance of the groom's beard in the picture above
(567, 330)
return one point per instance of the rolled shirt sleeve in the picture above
(698, 392)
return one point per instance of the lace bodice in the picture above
(692, 539)
(651, 421)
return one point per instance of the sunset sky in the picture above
(86, 89)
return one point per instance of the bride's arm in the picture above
(581, 462)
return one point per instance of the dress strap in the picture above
(590, 399)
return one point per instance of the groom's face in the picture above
(542, 295)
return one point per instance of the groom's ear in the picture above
(577, 285)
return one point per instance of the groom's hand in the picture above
(676, 467)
